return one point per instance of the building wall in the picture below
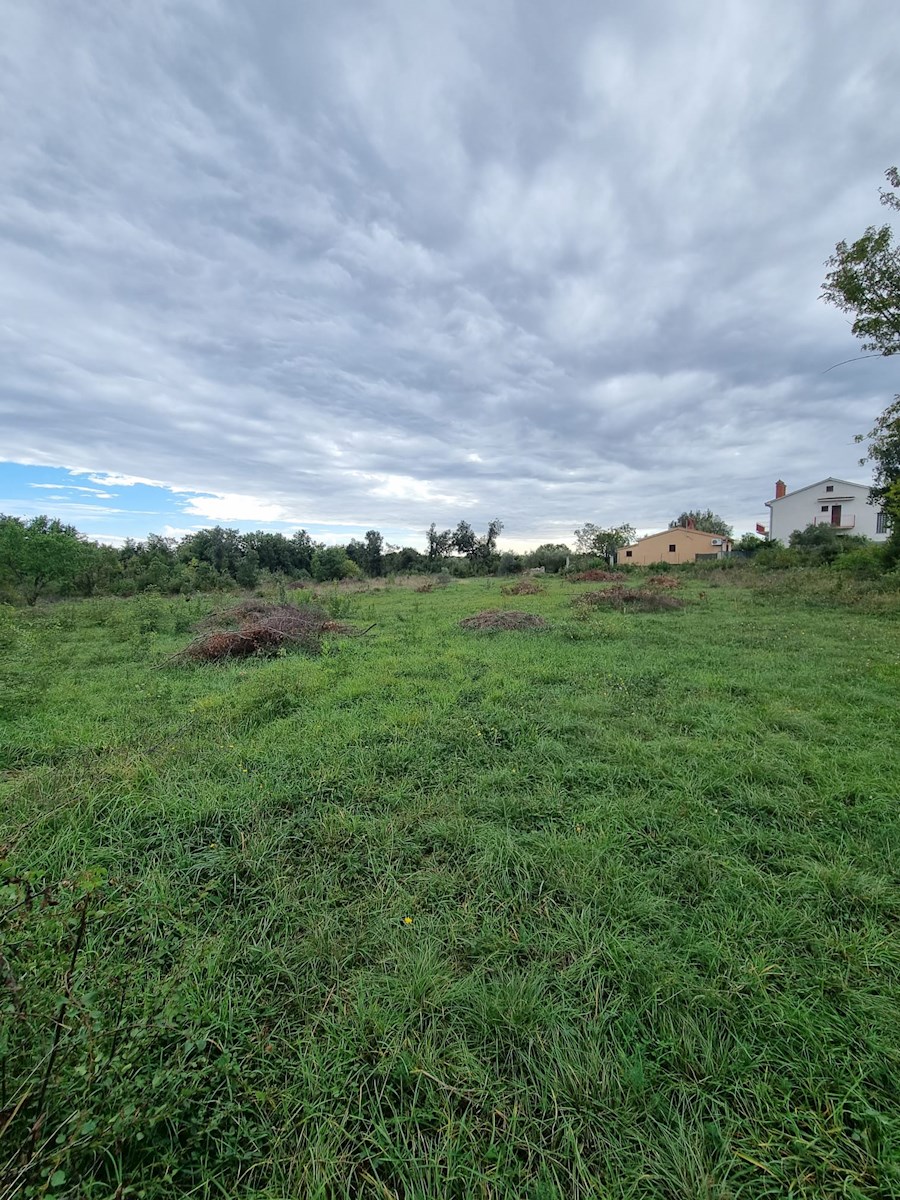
(688, 544)
(798, 509)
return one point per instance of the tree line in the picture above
(45, 556)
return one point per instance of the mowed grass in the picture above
(605, 910)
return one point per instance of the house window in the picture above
(829, 487)
(628, 554)
(824, 508)
(882, 523)
(672, 548)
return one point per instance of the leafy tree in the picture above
(206, 578)
(356, 552)
(367, 555)
(439, 542)
(404, 558)
(374, 553)
(749, 543)
(494, 529)
(604, 543)
(864, 280)
(280, 554)
(220, 548)
(704, 519)
(884, 455)
(303, 548)
(39, 553)
(485, 548)
(100, 569)
(551, 556)
(584, 537)
(247, 573)
(329, 563)
(463, 538)
(509, 563)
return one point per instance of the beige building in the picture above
(679, 545)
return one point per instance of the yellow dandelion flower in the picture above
(407, 920)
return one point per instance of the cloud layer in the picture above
(387, 264)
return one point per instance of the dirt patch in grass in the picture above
(522, 587)
(596, 575)
(632, 599)
(495, 620)
(256, 627)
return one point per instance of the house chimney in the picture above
(780, 489)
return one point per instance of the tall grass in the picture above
(609, 910)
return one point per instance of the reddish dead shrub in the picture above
(244, 643)
(495, 620)
(262, 629)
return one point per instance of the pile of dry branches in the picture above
(493, 619)
(522, 587)
(634, 599)
(596, 575)
(256, 627)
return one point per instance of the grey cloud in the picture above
(554, 264)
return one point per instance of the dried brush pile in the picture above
(494, 620)
(663, 581)
(237, 615)
(255, 627)
(632, 599)
(425, 587)
(596, 575)
(522, 587)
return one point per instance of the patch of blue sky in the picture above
(112, 507)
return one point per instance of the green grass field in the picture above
(605, 910)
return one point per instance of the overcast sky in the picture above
(346, 265)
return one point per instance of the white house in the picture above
(835, 502)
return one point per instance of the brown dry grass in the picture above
(596, 575)
(664, 581)
(522, 587)
(634, 599)
(494, 620)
